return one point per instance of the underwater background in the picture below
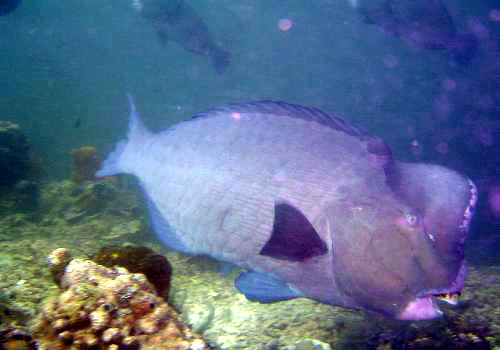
(66, 68)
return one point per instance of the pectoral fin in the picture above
(264, 288)
(293, 237)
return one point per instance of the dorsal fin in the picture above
(381, 152)
(286, 109)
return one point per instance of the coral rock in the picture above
(17, 160)
(57, 261)
(110, 308)
(139, 259)
(11, 338)
(85, 164)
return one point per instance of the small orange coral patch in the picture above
(85, 164)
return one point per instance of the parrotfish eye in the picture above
(411, 219)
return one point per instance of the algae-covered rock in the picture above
(110, 308)
(139, 259)
(57, 261)
(17, 159)
(308, 344)
(85, 163)
(199, 316)
(16, 339)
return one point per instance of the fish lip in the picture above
(424, 305)
(456, 286)
(420, 308)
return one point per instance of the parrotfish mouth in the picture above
(425, 305)
(425, 308)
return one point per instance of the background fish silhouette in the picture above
(7, 6)
(310, 205)
(177, 21)
(425, 24)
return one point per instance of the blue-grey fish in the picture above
(425, 24)
(310, 205)
(177, 21)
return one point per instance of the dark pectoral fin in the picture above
(293, 237)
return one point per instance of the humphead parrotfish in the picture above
(424, 24)
(308, 204)
(177, 21)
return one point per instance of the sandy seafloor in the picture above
(84, 218)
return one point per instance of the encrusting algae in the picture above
(139, 259)
(109, 309)
(85, 163)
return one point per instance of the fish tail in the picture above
(124, 156)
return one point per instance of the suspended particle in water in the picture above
(415, 148)
(354, 3)
(236, 116)
(390, 61)
(494, 200)
(442, 148)
(285, 24)
(449, 84)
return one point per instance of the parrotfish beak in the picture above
(421, 309)
(425, 307)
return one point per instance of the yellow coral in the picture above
(85, 164)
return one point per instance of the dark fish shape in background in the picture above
(77, 123)
(7, 6)
(176, 20)
(425, 24)
(310, 205)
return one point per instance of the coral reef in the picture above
(58, 260)
(138, 259)
(308, 344)
(26, 195)
(110, 308)
(85, 163)
(15, 339)
(17, 159)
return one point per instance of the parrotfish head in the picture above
(445, 200)
(400, 251)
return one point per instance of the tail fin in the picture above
(123, 158)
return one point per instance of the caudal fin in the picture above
(124, 156)
(111, 165)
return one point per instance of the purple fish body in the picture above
(310, 205)
(423, 24)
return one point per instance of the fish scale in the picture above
(224, 132)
